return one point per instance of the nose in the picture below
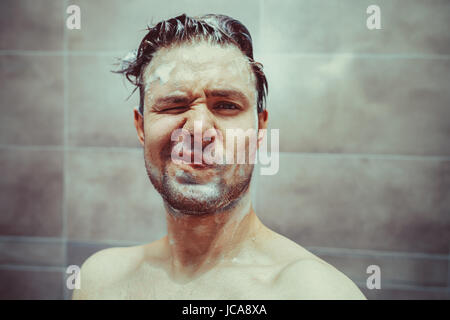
(198, 121)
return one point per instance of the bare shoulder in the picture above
(303, 275)
(313, 278)
(105, 268)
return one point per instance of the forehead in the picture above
(199, 66)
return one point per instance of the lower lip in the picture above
(199, 166)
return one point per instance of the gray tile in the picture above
(346, 104)
(326, 26)
(413, 27)
(32, 252)
(31, 100)
(300, 26)
(99, 114)
(394, 269)
(30, 285)
(122, 25)
(405, 294)
(31, 24)
(384, 204)
(31, 192)
(110, 198)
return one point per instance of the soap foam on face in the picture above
(162, 73)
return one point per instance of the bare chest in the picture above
(238, 283)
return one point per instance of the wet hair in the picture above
(219, 29)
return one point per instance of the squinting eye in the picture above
(174, 109)
(228, 106)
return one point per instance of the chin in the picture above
(194, 198)
(199, 192)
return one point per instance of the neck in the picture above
(197, 243)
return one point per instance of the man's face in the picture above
(189, 84)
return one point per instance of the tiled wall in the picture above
(365, 137)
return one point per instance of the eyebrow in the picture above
(227, 93)
(184, 99)
(172, 99)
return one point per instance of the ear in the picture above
(139, 124)
(263, 118)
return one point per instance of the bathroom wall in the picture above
(364, 175)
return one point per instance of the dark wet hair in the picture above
(216, 28)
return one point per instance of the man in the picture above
(197, 75)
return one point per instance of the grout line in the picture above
(105, 149)
(325, 250)
(103, 242)
(298, 154)
(31, 147)
(30, 53)
(25, 239)
(385, 56)
(319, 55)
(380, 156)
(402, 284)
(65, 144)
(63, 53)
(448, 274)
(118, 54)
(18, 267)
(377, 253)
(30, 239)
(71, 148)
(407, 287)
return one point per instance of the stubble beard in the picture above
(192, 198)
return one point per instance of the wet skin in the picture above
(216, 247)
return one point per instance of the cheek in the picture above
(246, 120)
(158, 135)
(247, 125)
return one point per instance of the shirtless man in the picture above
(191, 71)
